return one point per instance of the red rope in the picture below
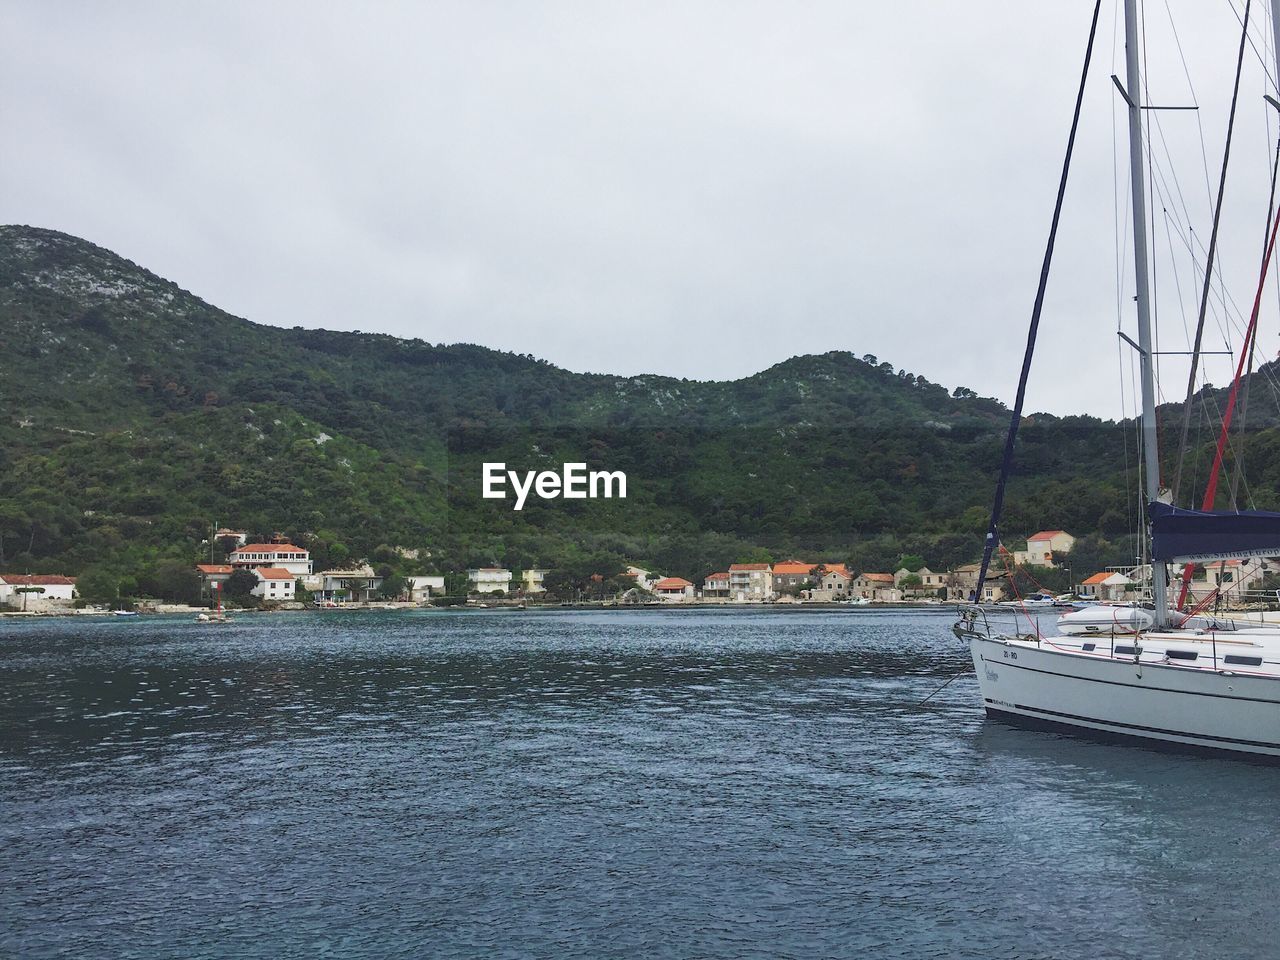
(1251, 333)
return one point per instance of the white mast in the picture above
(1150, 447)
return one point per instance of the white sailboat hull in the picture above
(1158, 703)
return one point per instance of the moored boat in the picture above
(1161, 675)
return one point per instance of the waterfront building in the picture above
(674, 588)
(531, 580)
(421, 588)
(274, 583)
(285, 556)
(792, 575)
(750, 581)
(356, 585)
(930, 582)
(29, 591)
(875, 586)
(834, 585)
(488, 580)
(1105, 587)
(213, 576)
(716, 585)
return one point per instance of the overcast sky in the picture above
(693, 189)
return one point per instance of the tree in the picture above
(173, 580)
(392, 587)
(97, 585)
(240, 584)
(911, 561)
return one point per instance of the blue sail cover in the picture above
(1198, 535)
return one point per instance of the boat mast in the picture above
(1150, 445)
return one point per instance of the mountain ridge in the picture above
(137, 413)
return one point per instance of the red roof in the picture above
(37, 580)
(211, 568)
(267, 548)
(793, 566)
(672, 583)
(716, 576)
(273, 573)
(1097, 578)
(842, 573)
(830, 567)
(1045, 535)
(748, 566)
(878, 577)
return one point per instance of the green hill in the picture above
(136, 414)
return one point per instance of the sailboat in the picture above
(1162, 677)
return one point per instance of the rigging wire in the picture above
(993, 530)
(1211, 488)
(1213, 249)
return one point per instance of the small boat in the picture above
(124, 613)
(1035, 601)
(217, 616)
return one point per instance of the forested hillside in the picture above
(135, 415)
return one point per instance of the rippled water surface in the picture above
(571, 784)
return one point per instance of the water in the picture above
(568, 784)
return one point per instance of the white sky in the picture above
(693, 189)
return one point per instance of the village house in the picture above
(213, 576)
(930, 582)
(355, 585)
(1234, 579)
(1044, 547)
(36, 591)
(750, 581)
(875, 586)
(963, 581)
(716, 585)
(274, 583)
(1106, 587)
(239, 537)
(284, 556)
(792, 575)
(673, 589)
(531, 580)
(418, 589)
(834, 585)
(488, 580)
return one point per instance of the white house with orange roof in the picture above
(750, 582)
(1109, 586)
(1043, 547)
(285, 556)
(36, 591)
(274, 583)
(676, 589)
